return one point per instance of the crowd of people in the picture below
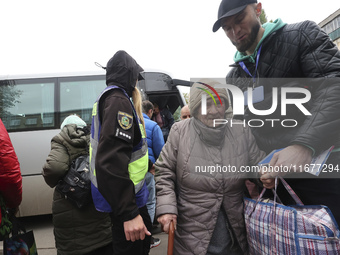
(146, 169)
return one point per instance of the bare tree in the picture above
(263, 17)
(9, 96)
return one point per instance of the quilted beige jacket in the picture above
(185, 186)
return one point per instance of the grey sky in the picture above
(173, 36)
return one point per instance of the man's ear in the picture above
(150, 112)
(258, 9)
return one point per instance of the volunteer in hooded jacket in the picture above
(119, 159)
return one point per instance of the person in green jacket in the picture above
(77, 231)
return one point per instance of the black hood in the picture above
(123, 71)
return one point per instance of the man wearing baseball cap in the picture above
(230, 8)
(280, 50)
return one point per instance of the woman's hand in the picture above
(135, 229)
(267, 180)
(165, 220)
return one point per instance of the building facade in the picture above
(331, 26)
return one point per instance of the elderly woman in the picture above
(198, 183)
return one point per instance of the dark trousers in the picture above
(106, 250)
(123, 247)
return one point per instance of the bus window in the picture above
(25, 106)
(78, 97)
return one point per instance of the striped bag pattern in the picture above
(274, 228)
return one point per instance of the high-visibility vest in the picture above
(138, 165)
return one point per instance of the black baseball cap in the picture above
(229, 8)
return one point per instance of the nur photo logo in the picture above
(204, 97)
(280, 96)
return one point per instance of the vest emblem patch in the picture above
(125, 120)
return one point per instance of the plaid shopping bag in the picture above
(274, 228)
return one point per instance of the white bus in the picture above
(32, 109)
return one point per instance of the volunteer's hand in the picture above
(165, 220)
(292, 159)
(135, 229)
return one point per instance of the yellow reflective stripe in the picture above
(138, 169)
(94, 109)
(142, 130)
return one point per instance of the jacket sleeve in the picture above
(165, 175)
(255, 154)
(320, 60)
(10, 175)
(113, 157)
(157, 141)
(57, 163)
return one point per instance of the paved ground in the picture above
(43, 232)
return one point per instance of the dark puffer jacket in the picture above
(299, 50)
(76, 231)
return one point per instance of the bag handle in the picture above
(290, 191)
(262, 193)
(276, 197)
(273, 228)
(17, 225)
(299, 202)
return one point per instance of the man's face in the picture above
(213, 112)
(242, 28)
(156, 110)
(185, 113)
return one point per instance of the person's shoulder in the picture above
(179, 130)
(118, 93)
(113, 94)
(232, 73)
(181, 125)
(149, 123)
(114, 97)
(307, 24)
(65, 133)
(59, 138)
